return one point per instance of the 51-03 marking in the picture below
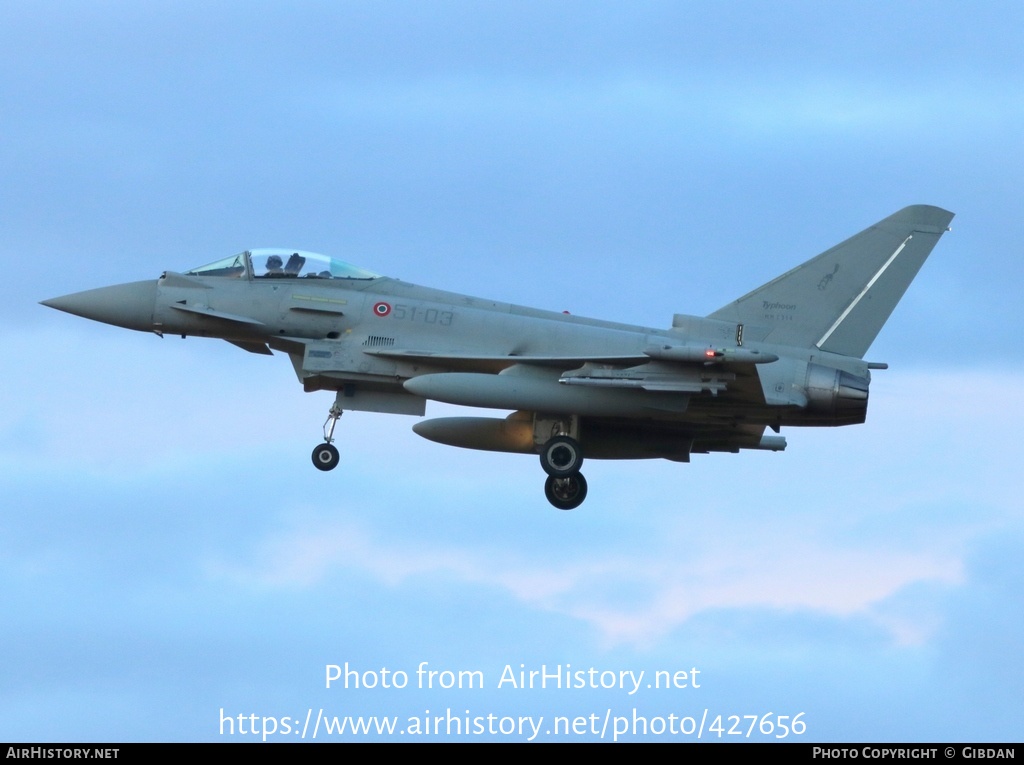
(415, 313)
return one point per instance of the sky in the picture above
(173, 568)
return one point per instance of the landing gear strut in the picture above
(325, 455)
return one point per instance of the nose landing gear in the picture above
(325, 455)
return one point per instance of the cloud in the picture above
(627, 598)
(839, 536)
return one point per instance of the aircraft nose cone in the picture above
(123, 305)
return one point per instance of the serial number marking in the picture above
(426, 315)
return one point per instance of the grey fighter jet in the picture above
(790, 353)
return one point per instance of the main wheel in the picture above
(326, 457)
(566, 493)
(561, 456)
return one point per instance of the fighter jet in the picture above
(789, 353)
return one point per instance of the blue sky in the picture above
(167, 550)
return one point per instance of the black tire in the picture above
(566, 493)
(326, 457)
(561, 456)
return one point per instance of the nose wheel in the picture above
(325, 455)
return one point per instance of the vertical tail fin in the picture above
(839, 300)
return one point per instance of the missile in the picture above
(770, 444)
(540, 391)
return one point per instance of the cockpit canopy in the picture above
(282, 264)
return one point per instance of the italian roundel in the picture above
(382, 309)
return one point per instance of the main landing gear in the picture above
(566, 493)
(325, 455)
(561, 457)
